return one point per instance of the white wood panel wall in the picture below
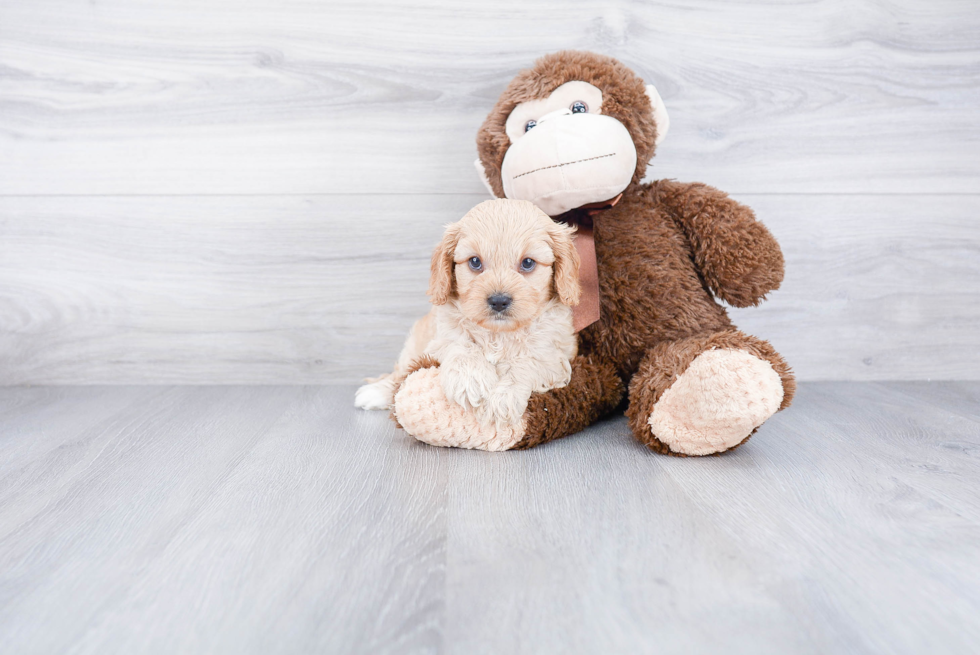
(212, 192)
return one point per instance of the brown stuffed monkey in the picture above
(574, 134)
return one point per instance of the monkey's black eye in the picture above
(579, 107)
(475, 264)
(527, 265)
(528, 125)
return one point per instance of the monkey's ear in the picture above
(482, 172)
(442, 279)
(659, 112)
(566, 265)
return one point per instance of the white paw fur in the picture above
(505, 405)
(376, 395)
(716, 403)
(468, 381)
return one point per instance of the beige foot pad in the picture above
(424, 412)
(716, 403)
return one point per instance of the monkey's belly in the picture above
(654, 313)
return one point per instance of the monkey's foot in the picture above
(716, 403)
(423, 410)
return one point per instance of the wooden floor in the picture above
(280, 519)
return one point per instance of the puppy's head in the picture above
(503, 261)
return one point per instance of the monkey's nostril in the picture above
(499, 302)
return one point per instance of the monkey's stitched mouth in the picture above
(567, 163)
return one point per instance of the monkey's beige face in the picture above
(508, 260)
(566, 153)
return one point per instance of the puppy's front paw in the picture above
(467, 386)
(504, 406)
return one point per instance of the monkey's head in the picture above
(577, 128)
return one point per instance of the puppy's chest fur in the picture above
(548, 340)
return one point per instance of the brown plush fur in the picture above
(595, 390)
(665, 252)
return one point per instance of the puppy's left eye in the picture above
(579, 107)
(475, 264)
(527, 265)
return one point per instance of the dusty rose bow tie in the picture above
(587, 311)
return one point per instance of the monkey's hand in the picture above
(737, 256)
(424, 411)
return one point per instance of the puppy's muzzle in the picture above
(499, 302)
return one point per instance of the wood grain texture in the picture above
(247, 192)
(289, 290)
(298, 97)
(281, 520)
(253, 510)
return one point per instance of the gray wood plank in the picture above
(319, 289)
(279, 519)
(838, 528)
(264, 513)
(368, 97)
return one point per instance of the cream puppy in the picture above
(503, 281)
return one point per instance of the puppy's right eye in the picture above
(475, 264)
(528, 125)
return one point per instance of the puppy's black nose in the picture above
(499, 302)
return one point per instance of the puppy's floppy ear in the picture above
(442, 281)
(566, 263)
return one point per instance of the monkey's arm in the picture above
(423, 410)
(593, 391)
(736, 255)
